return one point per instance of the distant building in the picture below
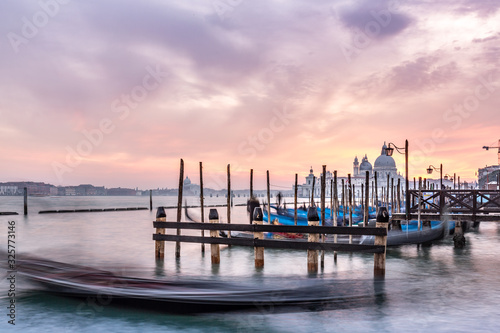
(189, 188)
(69, 190)
(121, 191)
(384, 166)
(488, 176)
(8, 189)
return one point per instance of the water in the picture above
(436, 288)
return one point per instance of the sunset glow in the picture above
(115, 93)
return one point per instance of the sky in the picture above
(115, 93)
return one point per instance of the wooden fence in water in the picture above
(255, 238)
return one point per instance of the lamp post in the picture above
(440, 169)
(389, 150)
(450, 178)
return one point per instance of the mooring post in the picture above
(229, 199)
(393, 202)
(25, 201)
(251, 185)
(376, 193)
(269, 198)
(294, 201)
(150, 200)
(312, 191)
(367, 198)
(179, 207)
(213, 217)
(458, 236)
(387, 202)
(202, 206)
(379, 258)
(396, 224)
(419, 220)
(335, 209)
(399, 196)
(323, 212)
(350, 203)
(258, 251)
(312, 255)
(344, 210)
(161, 216)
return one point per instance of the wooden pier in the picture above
(256, 240)
(456, 205)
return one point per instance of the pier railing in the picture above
(254, 238)
(474, 205)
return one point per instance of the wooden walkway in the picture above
(457, 205)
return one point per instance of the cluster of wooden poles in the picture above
(256, 219)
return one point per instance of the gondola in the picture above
(174, 295)
(405, 237)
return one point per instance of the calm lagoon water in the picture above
(435, 288)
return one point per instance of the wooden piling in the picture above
(344, 210)
(268, 198)
(323, 212)
(251, 183)
(258, 251)
(388, 184)
(331, 199)
(229, 199)
(367, 198)
(202, 206)
(150, 200)
(179, 207)
(312, 255)
(350, 204)
(392, 196)
(161, 216)
(372, 194)
(353, 196)
(213, 217)
(295, 201)
(362, 202)
(399, 196)
(25, 201)
(376, 192)
(419, 202)
(382, 196)
(335, 210)
(379, 258)
(312, 192)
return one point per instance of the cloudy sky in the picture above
(116, 92)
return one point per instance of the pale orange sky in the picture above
(115, 93)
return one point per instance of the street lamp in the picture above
(440, 169)
(389, 151)
(450, 178)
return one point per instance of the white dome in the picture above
(365, 165)
(384, 161)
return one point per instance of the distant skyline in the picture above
(115, 93)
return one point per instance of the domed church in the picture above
(384, 165)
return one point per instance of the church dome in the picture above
(384, 161)
(365, 165)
